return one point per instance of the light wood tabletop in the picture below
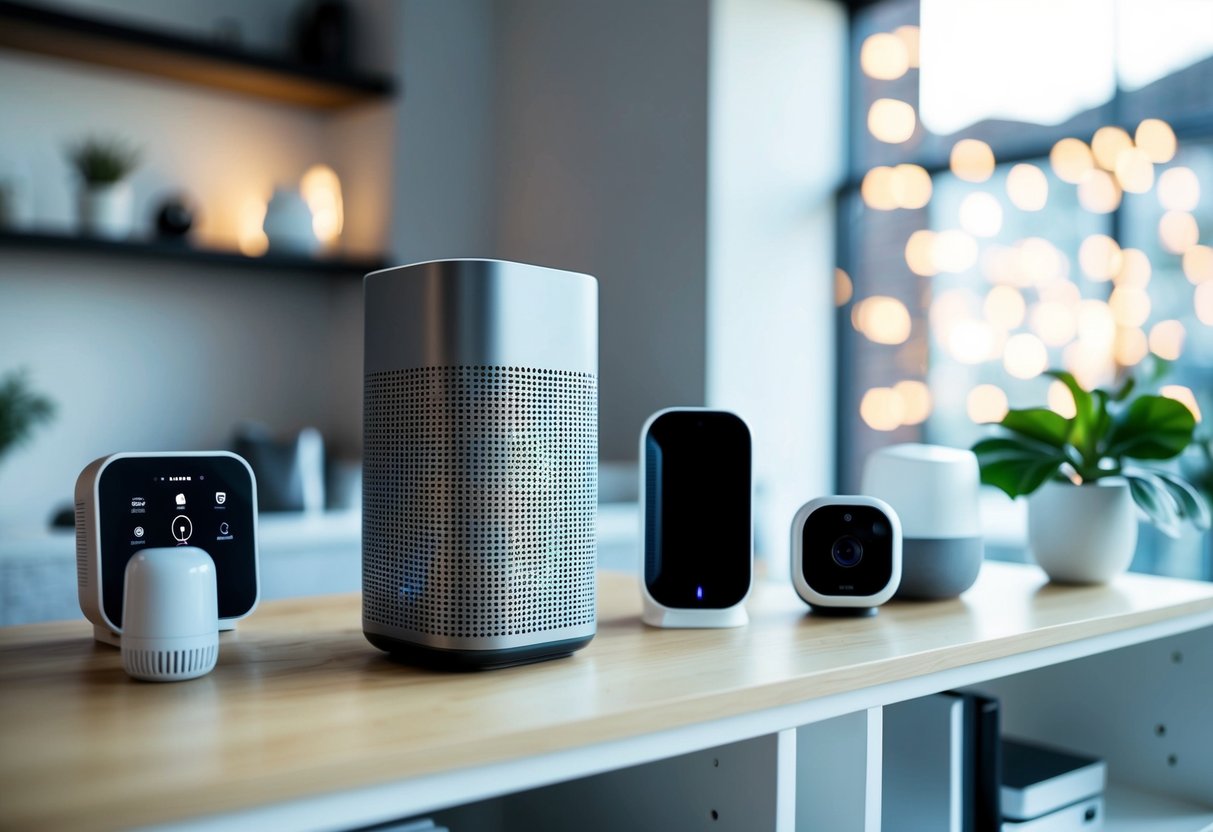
(301, 704)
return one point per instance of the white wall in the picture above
(776, 152)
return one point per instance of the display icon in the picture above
(220, 497)
(223, 528)
(180, 500)
(138, 531)
(182, 529)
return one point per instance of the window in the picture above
(1031, 186)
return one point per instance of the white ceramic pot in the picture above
(106, 211)
(288, 223)
(1083, 534)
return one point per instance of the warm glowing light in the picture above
(891, 121)
(949, 309)
(909, 38)
(1098, 192)
(877, 189)
(986, 403)
(1106, 145)
(1178, 189)
(1177, 231)
(1061, 400)
(1130, 347)
(972, 160)
(915, 400)
(1071, 160)
(250, 238)
(1198, 264)
(920, 255)
(843, 288)
(911, 186)
(1053, 322)
(1025, 356)
(321, 190)
(1167, 339)
(1000, 264)
(883, 57)
(1099, 257)
(1183, 395)
(954, 251)
(971, 342)
(1156, 139)
(1096, 325)
(1090, 363)
(1061, 291)
(1134, 171)
(882, 409)
(1040, 261)
(1134, 268)
(1130, 306)
(882, 319)
(1027, 187)
(1203, 301)
(1004, 307)
(980, 214)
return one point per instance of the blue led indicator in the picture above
(699, 592)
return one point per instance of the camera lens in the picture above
(847, 518)
(847, 551)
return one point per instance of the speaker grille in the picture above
(81, 547)
(170, 664)
(480, 494)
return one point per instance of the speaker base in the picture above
(437, 658)
(842, 612)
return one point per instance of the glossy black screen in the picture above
(148, 502)
(848, 550)
(697, 509)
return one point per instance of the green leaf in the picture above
(1039, 423)
(1090, 414)
(1153, 498)
(1016, 466)
(1152, 427)
(1192, 504)
(1125, 389)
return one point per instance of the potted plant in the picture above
(1083, 479)
(21, 410)
(104, 199)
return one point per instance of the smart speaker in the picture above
(846, 554)
(935, 492)
(696, 518)
(170, 621)
(480, 462)
(128, 503)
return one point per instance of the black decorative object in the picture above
(322, 36)
(174, 218)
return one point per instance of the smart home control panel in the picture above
(127, 503)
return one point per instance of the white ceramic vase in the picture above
(106, 210)
(288, 224)
(1083, 534)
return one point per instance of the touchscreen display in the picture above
(697, 509)
(203, 501)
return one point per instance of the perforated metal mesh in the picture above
(480, 489)
(81, 547)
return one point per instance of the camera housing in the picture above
(696, 496)
(846, 553)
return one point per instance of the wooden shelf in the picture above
(301, 706)
(164, 55)
(182, 252)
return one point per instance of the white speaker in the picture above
(170, 620)
(480, 462)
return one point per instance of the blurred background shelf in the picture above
(180, 252)
(194, 61)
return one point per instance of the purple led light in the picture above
(699, 592)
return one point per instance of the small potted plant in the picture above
(104, 199)
(21, 410)
(1083, 479)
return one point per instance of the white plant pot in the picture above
(106, 211)
(1083, 534)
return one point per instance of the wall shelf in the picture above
(165, 55)
(182, 252)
